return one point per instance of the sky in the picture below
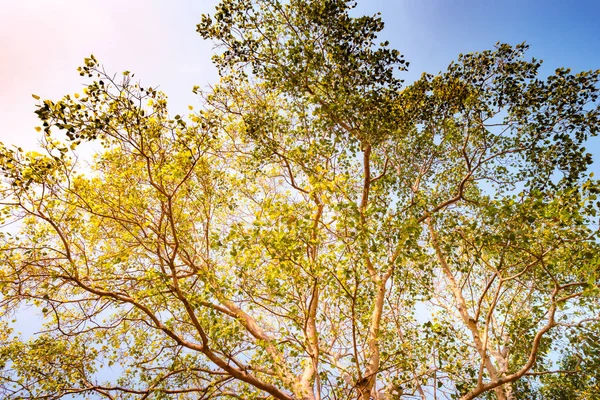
(42, 42)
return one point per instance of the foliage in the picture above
(315, 231)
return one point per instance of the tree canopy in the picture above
(318, 230)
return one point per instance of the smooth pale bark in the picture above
(468, 321)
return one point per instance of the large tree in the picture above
(315, 231)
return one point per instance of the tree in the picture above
(316, 231)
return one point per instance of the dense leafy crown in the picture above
(316, 231)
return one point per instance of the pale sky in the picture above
(42, 42)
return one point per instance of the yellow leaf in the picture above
(38, 128)
(76, 95)
(35, 96)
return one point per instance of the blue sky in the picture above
(431, 33)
